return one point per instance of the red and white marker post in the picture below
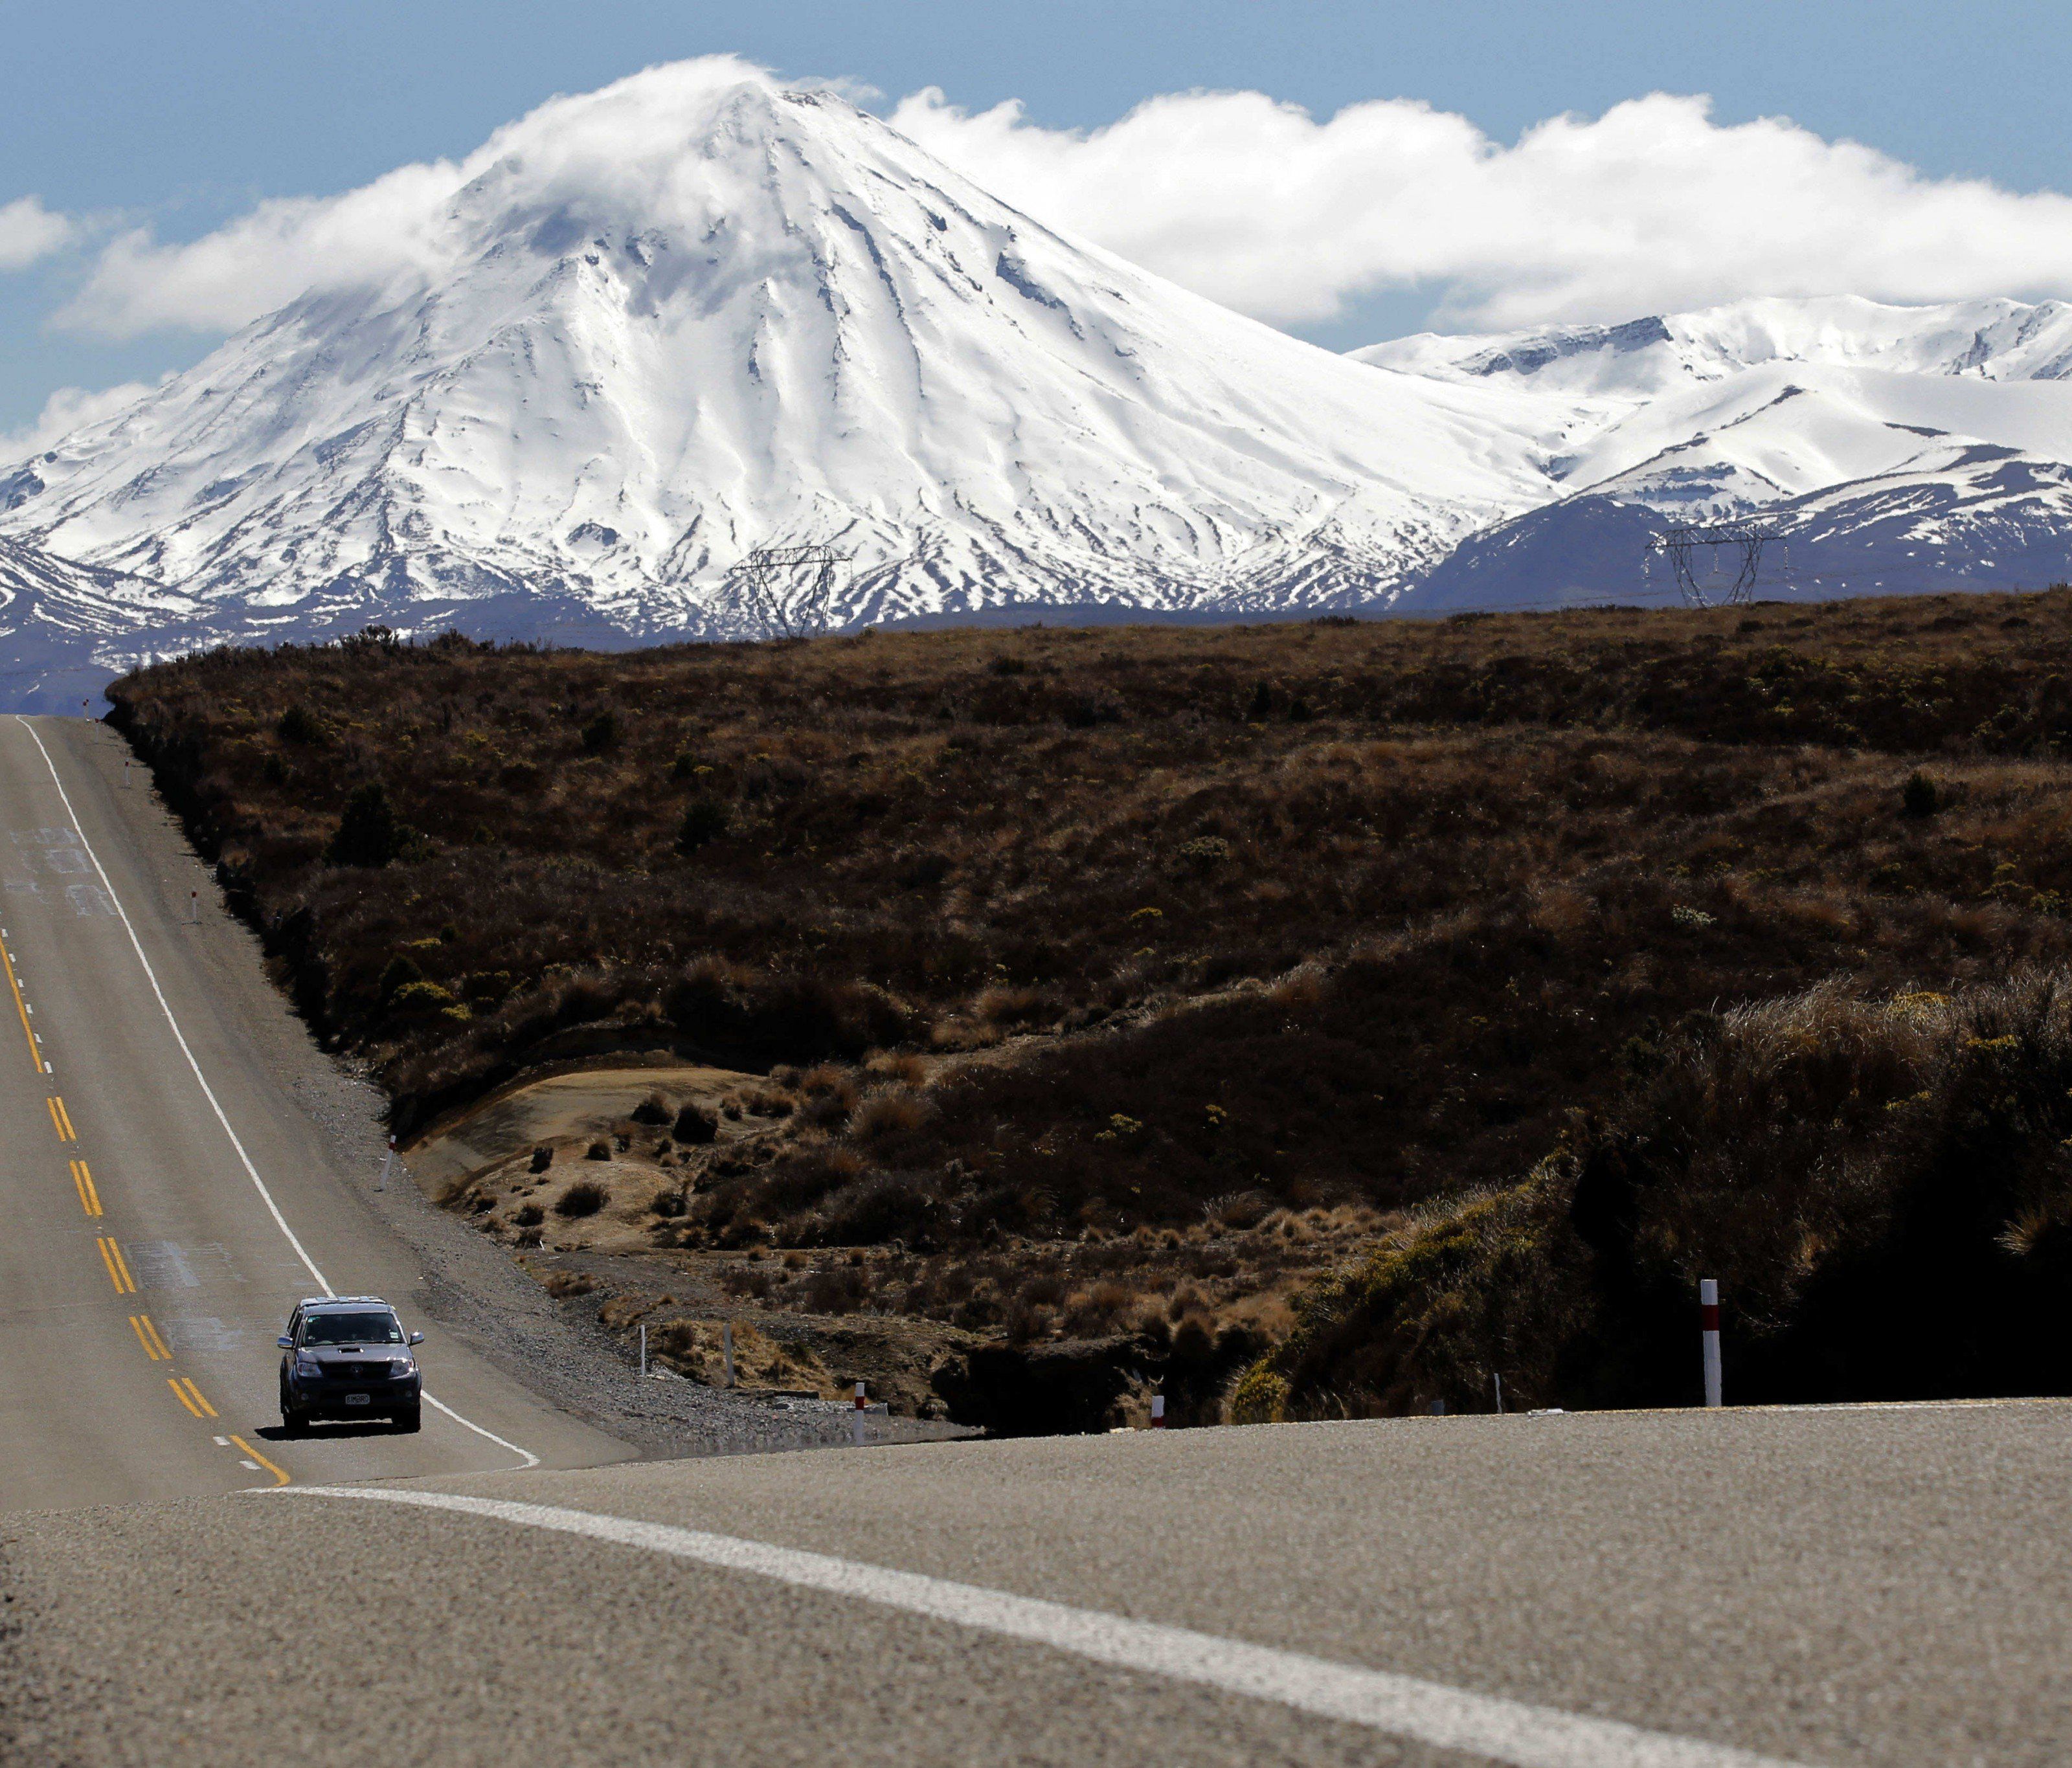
(1709, 1322)
(861, 1404)
(1157, 1412)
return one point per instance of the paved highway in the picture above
(1646, 1590)
(166, 1198)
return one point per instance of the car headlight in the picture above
(308, 1366)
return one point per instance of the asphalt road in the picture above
(162, 1215)
(1842, 1587)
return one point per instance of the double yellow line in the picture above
(61, 1119)
(118, 1267)
(190, 1396)
(147, 1335)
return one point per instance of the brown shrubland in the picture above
(1047, 937)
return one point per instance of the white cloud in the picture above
(28, 230)
(67, 409)
(617, 145)
(1651, 207)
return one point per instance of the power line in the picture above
(782, 604)
(1742, 541)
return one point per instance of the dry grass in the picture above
(1050, 939)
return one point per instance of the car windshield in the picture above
(351, 1329)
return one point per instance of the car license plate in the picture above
(355, 1398)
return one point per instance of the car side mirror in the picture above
(416, 1337)
(285, 1343)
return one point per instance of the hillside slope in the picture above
(1103, 982)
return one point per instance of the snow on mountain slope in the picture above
(787, 323)
(1738, 406)
(1955, 514)
(1781, 429)
(1792, 408)
(1642, 359)
(66, 628)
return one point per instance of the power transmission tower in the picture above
(789, 591)
(1741, 542)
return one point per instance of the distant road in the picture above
(166, 1200)
(1648, 1590)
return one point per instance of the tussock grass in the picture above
(1054, 939)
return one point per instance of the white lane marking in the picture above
(1432, 1713)
(531, 1460)
(208, 1093)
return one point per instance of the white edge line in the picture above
(530, 1459)
(208, 1093)
(1511, 1731)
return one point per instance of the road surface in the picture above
(1884, 1586)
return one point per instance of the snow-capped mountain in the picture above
(1891, 449)
(792, 326)
(650, 328)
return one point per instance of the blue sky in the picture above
(179, 118)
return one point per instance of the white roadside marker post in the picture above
(644, 1349)
(126, 773)
(726, 1348)
(194, 908)
(860, 1403)
(1499, 1380)
(1709, 1322)
(388, 1165)
(1157, 1412)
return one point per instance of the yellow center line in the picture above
(22, 1010)
(57, 1122)
(180, 1394)
(89, 1198)
(122, 1266)
(196, 1395)
(151, 1332)
(144, 1338)
(107, 1247)
(64, 1120)
(280, 1479)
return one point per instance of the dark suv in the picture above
(347, 1356)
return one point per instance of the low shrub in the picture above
(583, 1197)
(694, 1126)
(705, 820)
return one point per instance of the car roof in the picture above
(343, 1301)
